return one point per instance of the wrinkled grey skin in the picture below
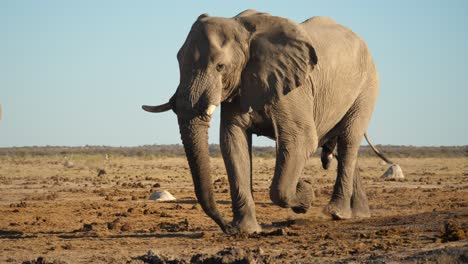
(304, 85)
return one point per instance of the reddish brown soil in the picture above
(72, 215)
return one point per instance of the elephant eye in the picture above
(220, 67)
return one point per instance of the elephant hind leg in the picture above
(359, 202)
(348, 198)
(339, 206)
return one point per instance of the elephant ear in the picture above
(279, 63)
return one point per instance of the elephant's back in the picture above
(345, 68)
(319, 20)
(339, 50)
(328, 37)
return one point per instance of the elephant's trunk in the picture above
(194, 134)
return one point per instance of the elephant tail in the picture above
(377, 152)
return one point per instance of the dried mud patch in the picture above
(74, 216)
(450, 254)
(225, 256)
(452, 231)
(42, 260)
(443, 255)
(233, 255)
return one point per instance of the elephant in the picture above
(305, 86)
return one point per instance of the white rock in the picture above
(68, 164)
(393, 173)
(162, 196)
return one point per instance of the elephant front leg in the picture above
(288, 189)
(235, 147)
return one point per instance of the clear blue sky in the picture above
(76, 72)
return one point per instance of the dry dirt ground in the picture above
(52, 213)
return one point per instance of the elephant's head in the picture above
(224, 58)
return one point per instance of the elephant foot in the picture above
(359, 201)
(305, 196)
(299, 201)
(338, 210)
(247, 226)
(300, 209)
(230, 229)
(361, 212)
(360, 206)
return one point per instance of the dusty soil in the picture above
(54, 211)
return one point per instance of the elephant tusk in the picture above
(157, 109)
(210, 110)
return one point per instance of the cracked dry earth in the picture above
(51, 213)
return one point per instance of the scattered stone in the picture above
(114, 224)
(152, 257)
(87, 227)
(452, 231)
(276, 232)
(220, 181)
(101, 172)
(174, 227)
(42, 260)
(125, 214)
(393, 173)
(441, 255)
(126, 227)
(164, 214)
(67, 246)
(21, 204)
(162, 196)
(177, 207)
(233, 255)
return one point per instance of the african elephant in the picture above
(304, 85)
